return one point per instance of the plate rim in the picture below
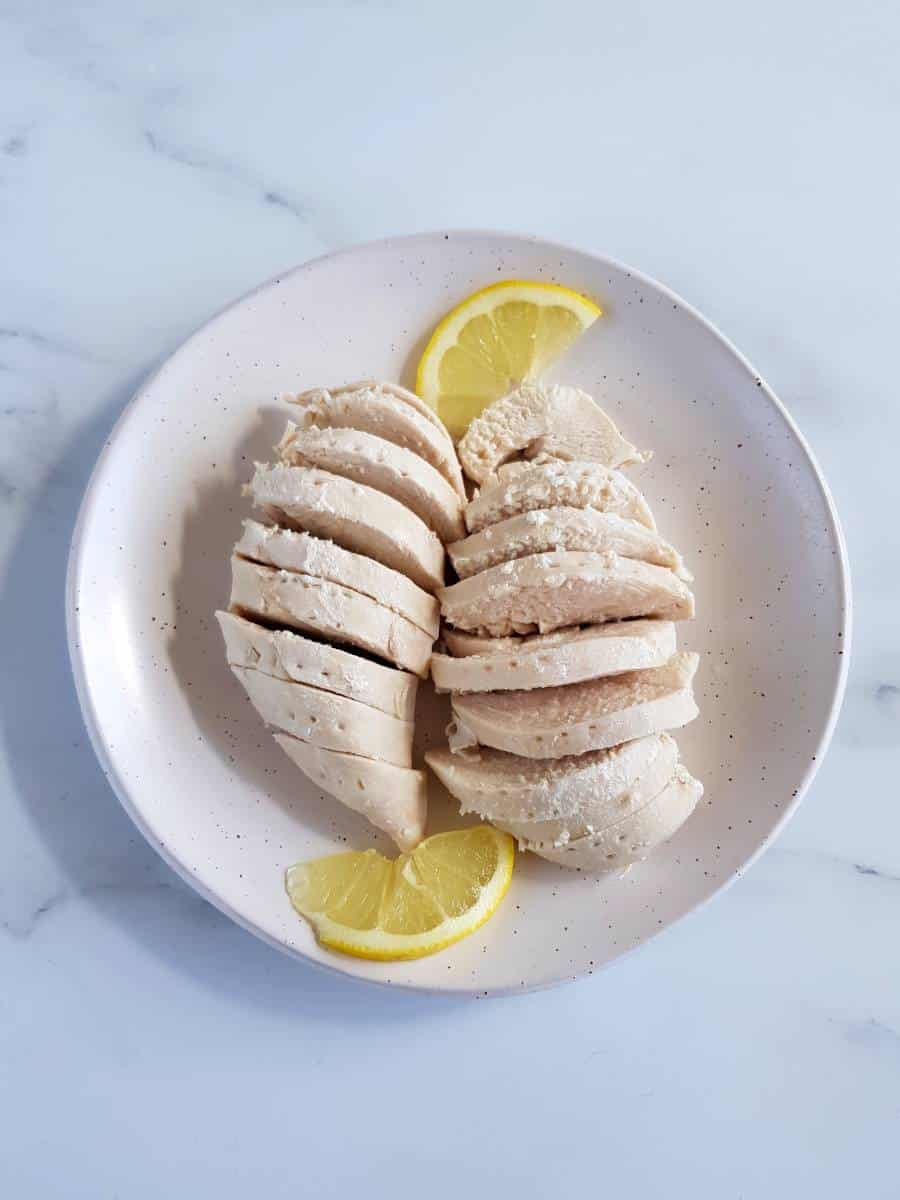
(73, 615)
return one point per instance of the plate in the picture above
(732, 484)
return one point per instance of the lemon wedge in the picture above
(499, 337)
(372, 907)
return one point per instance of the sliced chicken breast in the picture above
(390, 412)
(548, 591)
(508, 788)
(355, 516)
(294, 551)
(579, 717)
(324, 719)
(555, 422)
(380, 464)
(289, 656)
(567, 656)
(316, 606)
(394, 799)
(546, 529)
(556, 484)
(599, 812)
(632, 839)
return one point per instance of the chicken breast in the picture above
(632, 839)
(599, 811)
(559, 528)
(394, 799)
(508, 789)
(327, 720)
(293, 551)
(548, 591)
(579, 717)
(566, 656)
(390, 412)
(379, 464)
(550, 422)
(355, 516)
(316, 606)
(556, 484)
(289, 656)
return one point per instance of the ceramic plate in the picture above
(732, 484)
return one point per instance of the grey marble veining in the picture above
(155, 162)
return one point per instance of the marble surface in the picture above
(157, 160)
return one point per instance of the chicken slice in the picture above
(380, 464)
(633, 838)
(294, 551)
(566, 656)
(353, 515)
(390, 412)
(548, 591)
(329, 610)
(327, 720)
(556, 484)
(578, 717)
(507, 788)
(289, 656)
(550, 422)
(560, 528)
(394, 799)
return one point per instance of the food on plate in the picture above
(496, 339)
(355, 516)
(558, 644)
(371, 907)
(633, 838)
(544, 592)
(394, 799)
(388, 412)
(287, 655)
(329, 610)
(546, 529)
(327, 719)
(557, 422)
(550, 659)
(332, 612)
(574, 718)
(290, 550)
(524, 487)
(540, 800)
(380, 464)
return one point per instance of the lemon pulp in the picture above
(373, 907)
(499, 337)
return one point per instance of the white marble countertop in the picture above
(157, 160)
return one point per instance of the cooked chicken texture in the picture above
(389, 412)
(632, 839)
(548, 591)
(380, 464)
(357, 517)
(535, 791)
(549, 422)
(328, 720)
(533, 486)
(547, 529)
(576, 718)
(289, 656)
(394, 799)
(328, 610)
(290, 550)
(548, 660)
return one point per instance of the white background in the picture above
(158, 159)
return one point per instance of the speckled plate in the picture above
(732, 484)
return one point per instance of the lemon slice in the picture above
(499, 337)
(369, 906)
